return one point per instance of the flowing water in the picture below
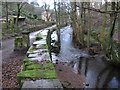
(98, 74)
(68, 52)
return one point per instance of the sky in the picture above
(41, 2)
(51, 2)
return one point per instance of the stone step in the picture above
(37, 51)
(44, 83)
(39, 42)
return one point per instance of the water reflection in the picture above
(98, 74)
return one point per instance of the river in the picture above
(98, 74)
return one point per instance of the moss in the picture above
(43, 46)
(31, 50)
(25, 41)
(33, 66)
(26, 57)
(39, 37)
(46, 66)
(37, 74)
(18, 41)
(28, 62)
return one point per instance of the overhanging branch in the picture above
(101, 11)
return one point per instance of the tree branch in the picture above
(101, 11)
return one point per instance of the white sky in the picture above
(41, 2)
(51, 2)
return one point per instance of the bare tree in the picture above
(19, 7)
(47, 11)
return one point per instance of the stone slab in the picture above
(38, 51)
(32, 55)
(54, 58)
(39, 42)
(44, 56)
(44, 83)
(43, 32)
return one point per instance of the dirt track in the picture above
(11, 64)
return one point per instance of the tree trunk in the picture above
(81, 29)
(7, 22)
(73, 17)
(113, 17)
(89, 27)
(57, 21)
(103, 26)
(18, 14)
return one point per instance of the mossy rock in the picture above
(31, 50)
(28, 62)
(45, 66)
(39, 37)
(46, 74)
(18, 41)
(42, 46)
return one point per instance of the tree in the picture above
(5, 12)
(47, 11)
(103, 25)
(19, 7)
(78, 21)
(34, 4)
(7, 23)
(57, 15)
(89, 26)
(73, 17)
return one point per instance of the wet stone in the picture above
(44, 32)
(32, 55)
(39, 42)
(38, 51)
(54, 58)
(44, 83)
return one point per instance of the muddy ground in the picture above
(67, 77)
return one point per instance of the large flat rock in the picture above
(44, 83)
(44, 56)
(39, 42)
(33, 55)
(38, 51)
